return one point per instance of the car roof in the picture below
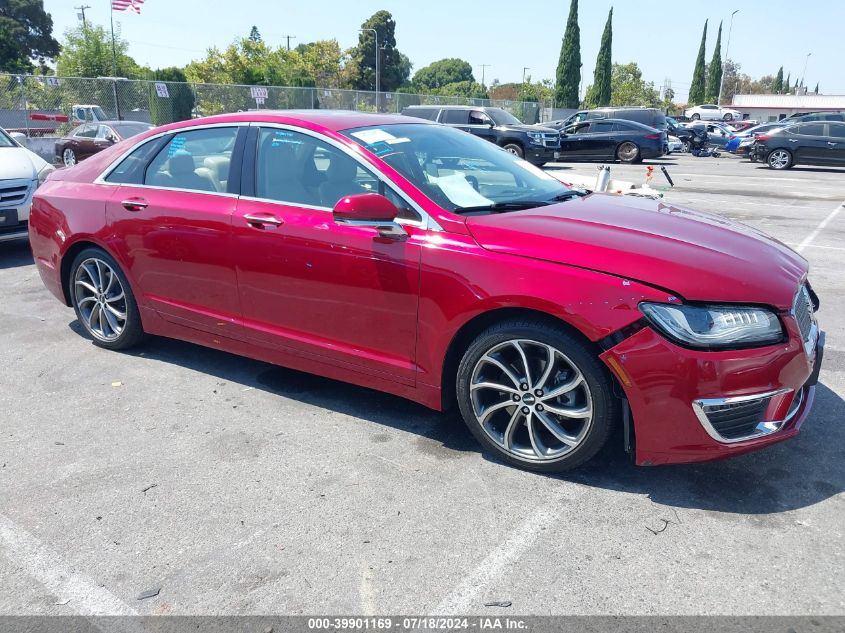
(332, 120)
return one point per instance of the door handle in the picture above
(135, 204)
(261, 220)
(793, 140)
(831, 143)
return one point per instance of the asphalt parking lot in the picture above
(236, 487)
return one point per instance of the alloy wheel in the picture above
(779, 159)
(628, 152)
(69, 158)
(531, 400)
(101, 299)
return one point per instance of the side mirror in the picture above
(491, 123)
(18, 137)
(369, 210)
(112, 138)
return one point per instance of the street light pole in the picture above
(727, 52)
(484, 67)
(803, 72)
(378, 78)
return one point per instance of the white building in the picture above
(766, 108)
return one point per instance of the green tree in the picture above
(441, 73)
(629, 88)
(697, 88)
(599, 93)
(714, 72)
(467, 89)
(26, 34)
(569, 64)
(254, 35)
(787, 84)
(777, 86)
(87, 52)
(179, 104)
(395, 68)
(816, 91)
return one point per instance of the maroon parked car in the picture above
(90, 138)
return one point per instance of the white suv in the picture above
(710, 112)
(21, 172)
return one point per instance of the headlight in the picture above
(536, 137)
(715, 326)
(45, 171)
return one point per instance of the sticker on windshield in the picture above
(371, 137)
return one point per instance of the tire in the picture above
(687, 147)
(628, 152)
(779, 159)
(696, 117)
(69, 157)
(514, 148)
(96, 280)
(531, 444)
(728, 117)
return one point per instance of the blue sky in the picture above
(661, 36)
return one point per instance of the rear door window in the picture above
(455, 117)
(837, 130)
(810, 129)
(196, 160)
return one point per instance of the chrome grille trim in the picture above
(703, 406)
(804, 314)
(14, 193)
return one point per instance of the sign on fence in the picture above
(161, 90)
(259, 92)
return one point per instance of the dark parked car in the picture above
(90, 138)
(817, 143)
(806, 117)
(651, 117)
(611, 139)
(536, 144)
(691, 137)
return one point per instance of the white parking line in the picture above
(462, 598)
(807, 240)
(84, 595)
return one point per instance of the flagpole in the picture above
(114, 63)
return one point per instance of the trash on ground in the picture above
(502, 603)
(149, 593)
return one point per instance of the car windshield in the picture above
(6, 140)
(98, 113)
(130, 129)
(502, 117)
(460, 172)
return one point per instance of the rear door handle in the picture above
(135, 204)
(831, 143)
(261, 220)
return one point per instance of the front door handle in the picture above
(261, 220)
(831, 143)
(135, 204)
(793, 140)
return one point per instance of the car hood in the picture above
(18, 163)
(528, 128)
(697, 256)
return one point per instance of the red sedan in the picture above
(417, 259)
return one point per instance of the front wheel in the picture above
(696, 117)
(69, 157)
(515, 149)
(687, 146)
(728, 117)
(628, 152)
(779, 159)
(535, 396)
(103, 300)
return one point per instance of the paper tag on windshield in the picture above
(369, 137)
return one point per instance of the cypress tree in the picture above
(569, 64)
(787, 85)
(696, 90)
(604, 66)
(816, 91)
(714, 76)
(777, 84)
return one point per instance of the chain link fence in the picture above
(51, 106)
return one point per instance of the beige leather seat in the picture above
(218, 167)
(185, 175)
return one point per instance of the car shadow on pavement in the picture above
(14, 254)
(806, 169)
(798, 473)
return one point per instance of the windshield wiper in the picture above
(513, 205)
(567, 195)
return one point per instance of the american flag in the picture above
(124, 5)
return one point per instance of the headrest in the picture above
(181, 164)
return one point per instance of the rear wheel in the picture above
(779, 159)
(628, 152)
(696, 116)
(103, 300)
(687, 146)
(69, 157)
(515, 149)
(728, 117)
(535, 396)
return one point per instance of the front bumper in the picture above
(16, 226)
(672, 391)
(538, 154)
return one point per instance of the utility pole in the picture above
(524, 69)
(81, 13)
(806, 59)
(289, 38)
(727, 52)
(484, 67)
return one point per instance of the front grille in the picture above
(803, 311)
(14, 229)
(551, 140)
(740, 419)
(13, 193)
